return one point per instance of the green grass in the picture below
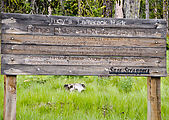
(113, 98)
(44, 98)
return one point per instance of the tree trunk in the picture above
(62, 7)
(147, 9)
(2, 6)
(49, 8)
(33, 7)
(165, 11)
(155, 9)
(107, 11)
(131, 8)
(79, 8)
(118, 9)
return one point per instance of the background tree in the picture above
(118, 9)
(131, 8)
(147, 9)
(79, 8)
(90, 8)
(107, 10)
(165, 10)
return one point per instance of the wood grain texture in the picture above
(82, 50)
(50, 60)
(10, 97)
(83, 31)
(82, 41)
(13, 18)
(5, 89)
(82, 70)
(81, 26)
(154, 98)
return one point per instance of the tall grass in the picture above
(113, 98)
(44, 98)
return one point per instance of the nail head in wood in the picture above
(11, 69)
(12, 59)
(12, 38)
(158, 61)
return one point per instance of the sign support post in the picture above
(9, 97)
(154, 98)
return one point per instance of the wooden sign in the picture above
(62, 45)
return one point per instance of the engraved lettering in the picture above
(60, 21)
(127, 70)
(38, 29)
(86, 21)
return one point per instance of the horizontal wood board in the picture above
(82, 31)
(50, 60)
(62, 45)
(82, 41)
(82, 70)
(82, 50)
(11, 18)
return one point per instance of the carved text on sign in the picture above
(68, 21)
(104, 31)
(127, 70)
(91, 31)
(38, 29)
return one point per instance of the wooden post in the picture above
(9, 97)
(154, 98)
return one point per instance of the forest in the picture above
(156, 9)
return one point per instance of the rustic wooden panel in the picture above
(82, 70)
(75, 50)
(12, 18)
(82, 41)
(50, 60)
(65, 45)
(88, 31)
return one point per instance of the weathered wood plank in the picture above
(85, 31)
(154, 98)
(83, 70)
(50, 60)
(10, 97)
(12, 18)
(82, 41)
(82, 50)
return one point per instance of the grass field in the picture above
(113, 98)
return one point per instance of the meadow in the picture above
(111, 98)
